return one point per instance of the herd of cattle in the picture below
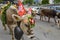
(13, 17)
(50, 13)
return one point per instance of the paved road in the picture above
(43, 30)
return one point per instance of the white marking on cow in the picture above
(58, 23)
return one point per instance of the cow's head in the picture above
(26, 22)
(58, 15)
(34, 13)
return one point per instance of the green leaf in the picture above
(56, 1)
(3, 17)
(45, 1)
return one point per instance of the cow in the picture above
(12, 17)
(33, 13)
(49, 13)
(58, 20)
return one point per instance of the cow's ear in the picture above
(16, 17)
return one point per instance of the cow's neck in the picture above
(18, 23)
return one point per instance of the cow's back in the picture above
(53, 13)
(9, 13)
(9, 16)
(48, 12)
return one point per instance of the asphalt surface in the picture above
(43, 31)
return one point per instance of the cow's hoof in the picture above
(30, 36)
(12, 38)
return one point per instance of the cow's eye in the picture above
(27, 25)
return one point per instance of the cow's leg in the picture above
(55, 20)
(45, 17)
(4, 26)
(40, 17)
(48, 19)
(58, 23)
(30, 34)
(11, 31)
(29, 31)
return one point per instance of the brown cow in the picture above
(12, 18)
(49, 13)
(10, 21)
